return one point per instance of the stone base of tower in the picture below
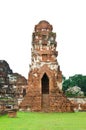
(56, 101)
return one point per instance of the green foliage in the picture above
(66, 85)
(76, 80)
(44, 121)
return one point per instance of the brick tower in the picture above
(45, 78)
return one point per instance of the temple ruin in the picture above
(45, 77)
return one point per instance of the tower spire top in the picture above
(43, 24)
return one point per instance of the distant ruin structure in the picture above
(45, 77)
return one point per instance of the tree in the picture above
(76, 80)
(66, 85)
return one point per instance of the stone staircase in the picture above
(45, 102)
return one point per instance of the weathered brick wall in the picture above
(79, 103)
(57, 102)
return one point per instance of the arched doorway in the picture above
(45, 84)
(45, 92)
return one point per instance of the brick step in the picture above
(45, 102)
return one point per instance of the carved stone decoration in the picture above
(45, 78)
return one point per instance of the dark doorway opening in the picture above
(24, 92)
(45, 84)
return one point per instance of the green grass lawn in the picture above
(44, 121)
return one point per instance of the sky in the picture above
(17, 21)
